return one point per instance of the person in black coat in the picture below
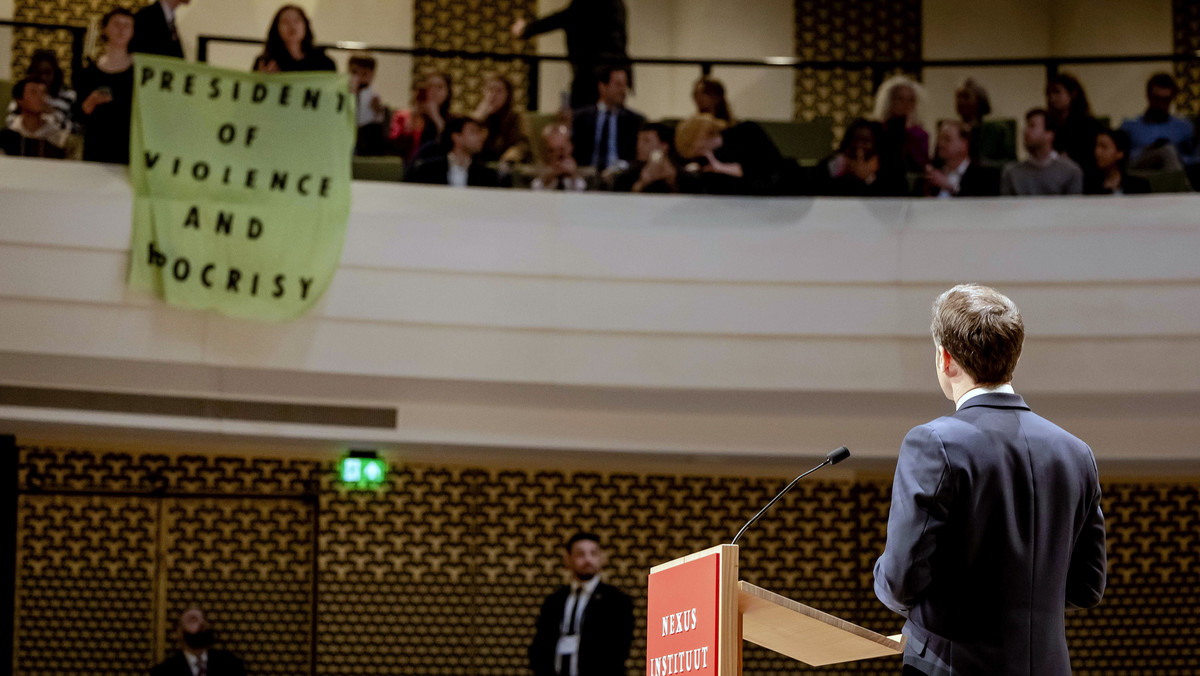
(605, 133)
(1070, 116)
(584, 628)
(289, 47)
(596, 36)
(954, 173)
(154, 29)
(855, 169)
(197, 654)
(461, 166)
(1110, 177)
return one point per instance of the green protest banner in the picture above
(241, 186)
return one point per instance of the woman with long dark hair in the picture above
(1071, 118)
(507, 138)
(106, 91)
(289, 46)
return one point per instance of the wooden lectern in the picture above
(699, 613)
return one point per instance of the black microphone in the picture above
(834, 457)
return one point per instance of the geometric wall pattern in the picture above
(472, 25)
(866, 30)
(443, 570)
(70, 12)
(1187, 41)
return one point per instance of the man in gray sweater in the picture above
(1045, 172)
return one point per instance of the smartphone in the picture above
(104, 91)
(656, 156)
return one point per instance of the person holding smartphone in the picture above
(106, 93)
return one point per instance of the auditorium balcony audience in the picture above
(1158, 139)
(558, 169)
(855, 170)
(743, 142)
(1109, 174)
(507, 134)
(418, 131)
(1045, 171)
(697, 140)
(106, 93)
(289, 46)
(655, 170)
(953, 172)
(904, 145)
(43, 67)
(1071, 114)
(371, 115)
(34, 132)
(605, 134)
(461, 167)
(154, 30)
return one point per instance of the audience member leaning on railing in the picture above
(60, 99)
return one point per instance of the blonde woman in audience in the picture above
(744, 142)
(905, 143)
(697, 141)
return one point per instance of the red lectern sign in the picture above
(683, 611)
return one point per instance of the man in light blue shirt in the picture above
(1157, 128)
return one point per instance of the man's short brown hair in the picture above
(982, 329)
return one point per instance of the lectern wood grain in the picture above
(807, 634)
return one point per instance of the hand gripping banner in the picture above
(241, 186)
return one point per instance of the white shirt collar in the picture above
(1006, 388)
(167, 11)
(194, 660)
(587, 587)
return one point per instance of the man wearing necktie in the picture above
(154, 29)
(585, 628)
(606, 133)
(197, 656)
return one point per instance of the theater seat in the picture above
(1165, 181)
(378, 169)
(805, 142)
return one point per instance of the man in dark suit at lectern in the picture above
(585, 628)
(197, 657)
(995, 526)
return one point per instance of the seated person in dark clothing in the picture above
(197, 654)
(458, 168)
(507, 136)
(1074, 127)
(34, 132)
(420, 131)
(106, 92)
(855, 170)
(954, 173)
(605, 135)
(697, 140)
(745, 142)
(289, 46)
(654, 170)
(1108, 176)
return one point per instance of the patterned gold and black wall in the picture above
(477, 26)
(855, 31)
(69, 12)
(1187, 41)
(443, 571)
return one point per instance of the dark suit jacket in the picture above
(583, 134)
(152, 35)
(605, 633)
(595, 29)
(435, 171)
(978, 181)
(995, 530)
(220, 663)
